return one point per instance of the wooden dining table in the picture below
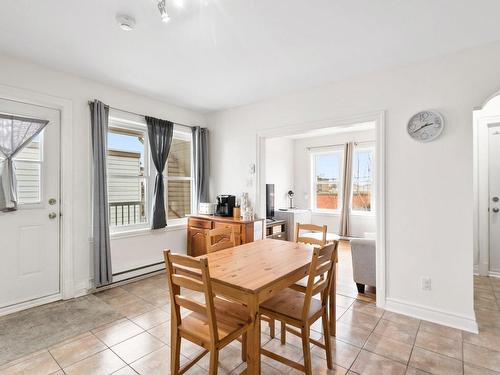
(254, 272)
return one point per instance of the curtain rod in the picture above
(141, 115)
(338, 144)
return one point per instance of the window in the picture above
(362, 180)
(28, 164)
(326, 180)
(179, 177)
(127, 176)
(131, 175)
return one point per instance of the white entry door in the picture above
(494, 196)
(29, 237)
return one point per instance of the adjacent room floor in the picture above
(369, 340)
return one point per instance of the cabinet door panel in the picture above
(196, 241)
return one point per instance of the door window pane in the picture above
(28, 172)
(362, 180)
(178, 198)
(327, 172)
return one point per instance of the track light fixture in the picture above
(162, 7)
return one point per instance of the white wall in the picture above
(126, 252)
(429, 185)
(360, 223)
(279, 169)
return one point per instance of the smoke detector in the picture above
(126, 23)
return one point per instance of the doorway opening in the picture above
(331, 173)
(487, 205)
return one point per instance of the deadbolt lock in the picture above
(52, 201)
(495, 199)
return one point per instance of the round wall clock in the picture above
(425, 126)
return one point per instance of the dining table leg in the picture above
(253, 338)
(333, 302)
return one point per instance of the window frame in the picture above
(185, 136)
(134, 127)
(340, 150)
(360, 147)
(124, 121)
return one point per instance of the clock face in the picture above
(425, 126)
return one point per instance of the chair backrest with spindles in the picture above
(322, 264)
(177, 280)
(220, 239)
(311, 228)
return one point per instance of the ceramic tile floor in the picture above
(369, 341)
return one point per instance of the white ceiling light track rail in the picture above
(162, 7)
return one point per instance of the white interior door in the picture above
(494, 196)
(29, 237)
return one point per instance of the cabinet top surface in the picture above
(225, 219)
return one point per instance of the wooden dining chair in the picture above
(311, 228)
(212, 325)
(220, 239)
(301, 310)
(315, 242)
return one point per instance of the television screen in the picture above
(269, 201)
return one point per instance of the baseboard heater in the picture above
(138, 272)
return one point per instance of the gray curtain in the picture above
(346, 190)
(15, 134)
(201, 165)
(100, 221)
(160, 133)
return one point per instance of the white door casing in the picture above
(30, 240)
(494, 197)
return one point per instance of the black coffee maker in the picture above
(225, 205)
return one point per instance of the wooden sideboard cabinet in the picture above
(245, 231)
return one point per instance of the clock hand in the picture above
(423, 126)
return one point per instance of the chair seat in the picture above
(231, 317)
(289, 303)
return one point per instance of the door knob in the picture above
(52, 215)
(496, 209)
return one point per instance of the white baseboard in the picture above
(29, 304)
(432, 315)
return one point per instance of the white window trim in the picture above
(365, 146)
(325, 151)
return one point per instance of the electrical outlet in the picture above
(426, 283)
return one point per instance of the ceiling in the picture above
(216, 54)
